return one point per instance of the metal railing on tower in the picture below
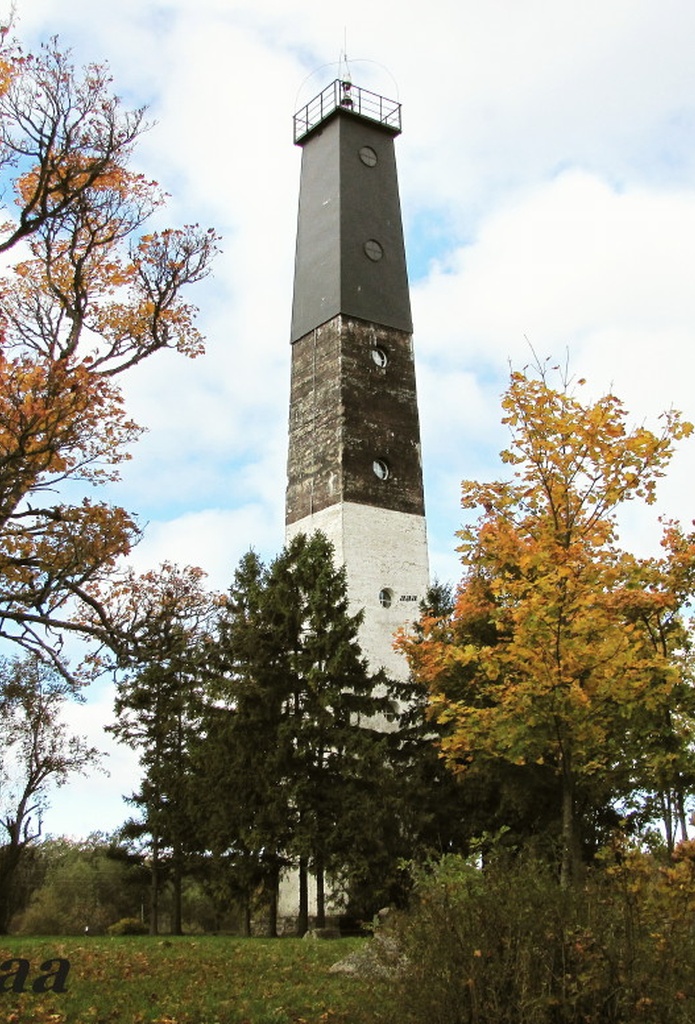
(343, 95)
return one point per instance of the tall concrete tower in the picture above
(354, 463)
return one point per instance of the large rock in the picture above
(379, 957)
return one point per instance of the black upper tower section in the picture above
(354, 434)
(350, 256)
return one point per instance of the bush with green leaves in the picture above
(506, 944)
(128, 926)
(84, 887)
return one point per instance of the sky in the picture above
(547, 181)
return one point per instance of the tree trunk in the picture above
(683, 821)
(246, 916)
(320, 896)
(176, 915)
(303, 915)
(154, 888)
(9, 862)
(569, 866)
(273, 884)
(667, 818)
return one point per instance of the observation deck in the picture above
(344, 96)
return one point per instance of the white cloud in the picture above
(94, 802)
(563, 261)
(214, 539)
(578, 271)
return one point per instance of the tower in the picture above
(354, 460)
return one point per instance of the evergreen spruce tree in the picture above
(158, 708)
(240, 761)
(292, 724)
(336, 711)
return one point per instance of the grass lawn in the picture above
(190, 980)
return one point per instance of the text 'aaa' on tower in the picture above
(354, 460)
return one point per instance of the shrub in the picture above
(508, 945)
(128, 926)
(84, 886)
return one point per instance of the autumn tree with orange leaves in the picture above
(562, 650)
(91, 294)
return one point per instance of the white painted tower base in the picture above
(385, 554)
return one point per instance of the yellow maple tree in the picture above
(549, 651)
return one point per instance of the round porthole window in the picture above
(380, 356)
(368, 156)
(385, 597)
(381, 469)
(373, 250)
